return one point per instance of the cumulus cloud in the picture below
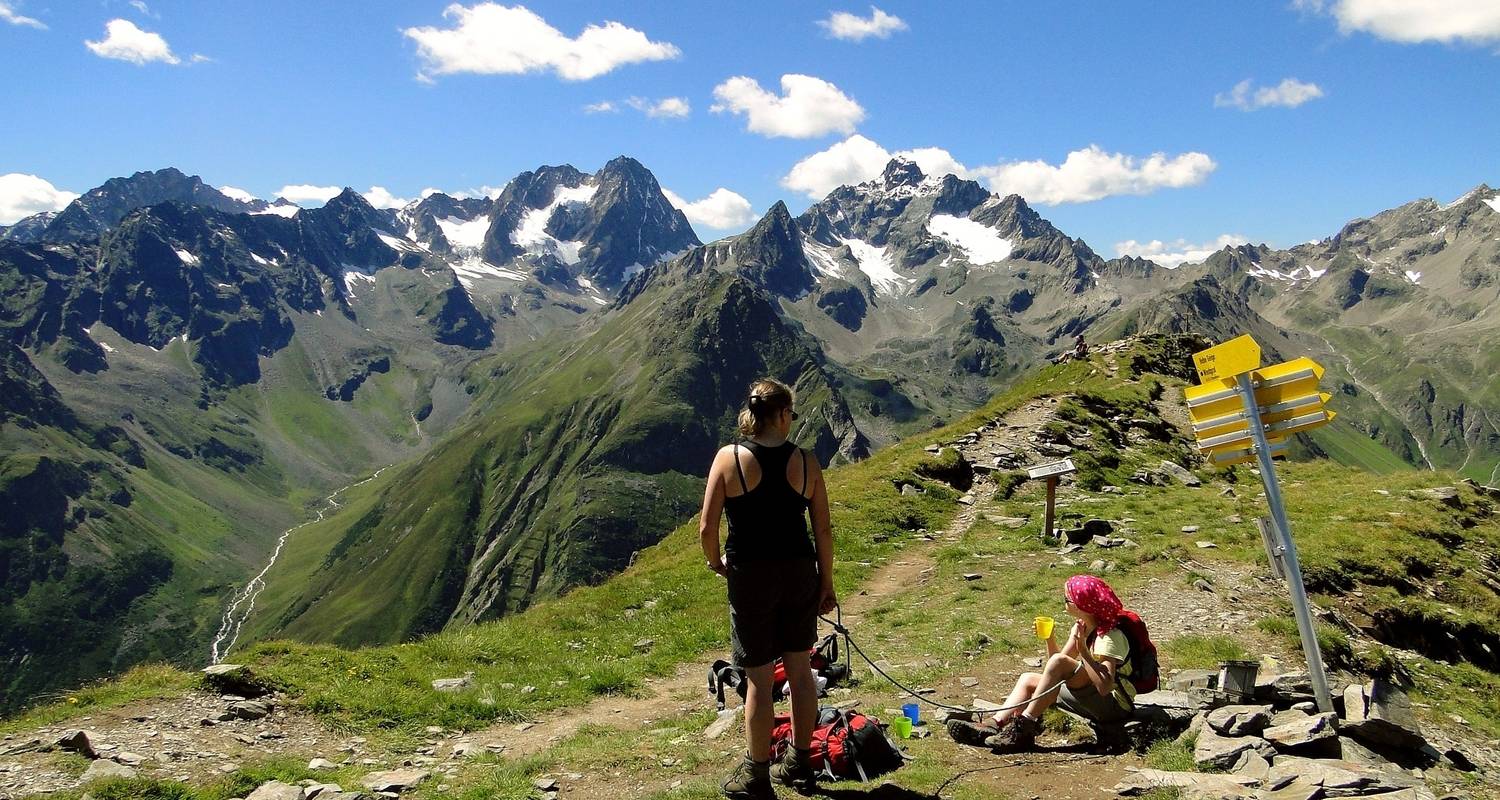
(124, 41)
(1176, 253)
(1413, 21)
(1290, 93)
(721, 209)
(380, 198)
(808, 107)
(9, 14)
(492, 39)
(665, 108)
(601, 107)
(306, 194)
(235, 193)
(22, 195)
(1085, 175)
(1092, 174)
(854, 28)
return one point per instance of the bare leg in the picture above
(1060, 668)
(758, 712)
(804, 697)
(1025, 685)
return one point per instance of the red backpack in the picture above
(845, 745)
(1145, 668)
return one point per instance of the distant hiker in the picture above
(1080, 347)
(778, 581)
(1090, 667)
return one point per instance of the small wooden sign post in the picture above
(1051, 470)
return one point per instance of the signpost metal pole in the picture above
(1047, 523)
(1289, 552)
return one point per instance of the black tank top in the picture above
(770, 521)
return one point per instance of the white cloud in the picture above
(1174, 254)
(601, 107)
(721, 209)
(380, 198)
(22, 195)
(854, 28)
(667, 107)
(235, 193)
(140, 5)
(1412, 21)
(1092, 174)
(809, 107)
(123, 41)
(9, 14)
(1290, 93)
(199, 58)
(1085, 175)
(306, 194)
(491, 39)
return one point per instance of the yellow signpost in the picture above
(1243, 412)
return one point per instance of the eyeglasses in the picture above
(794, 415)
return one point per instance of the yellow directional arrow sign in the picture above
(1228, 457)
(1282, 382)
(1227, 360)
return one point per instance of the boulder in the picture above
(1098, 527)
(1447, 495)
(1285, 689)
(1337, 778)
(324, 790)
(1216, 752)
(1381, 715)
(1239, 720)
(1145, 780)
(396, 780)
(235, 679)
(1252, 764)
(250, 709)
(80, 742)
(1306, 734)
(102, 768)
(450, 685)
(1180, 474)
(319, 764)
(276, 790)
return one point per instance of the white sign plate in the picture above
(1051, 468)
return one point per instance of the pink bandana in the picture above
(1094, 596)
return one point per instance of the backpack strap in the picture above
(804, 472)
(740, 469)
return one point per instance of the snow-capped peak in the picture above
(982, 244)
(531, 234)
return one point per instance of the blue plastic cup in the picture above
(913, 712)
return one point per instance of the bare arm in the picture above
(823, 536)
(713, 509)
(1100, 671)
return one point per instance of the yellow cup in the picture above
(1044, 627)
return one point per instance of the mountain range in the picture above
(545, 372)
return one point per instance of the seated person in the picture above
(1090, 668)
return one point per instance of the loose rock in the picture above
(395, 780)
(276, 790)
(103, 768)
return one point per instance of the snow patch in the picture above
(875, 262)
(400, 245)
(262, 261)
(280, 211)
(187, 258)
(1414, 276)
(1493, 203)
(473, 268)
(586, 283)
(983, 244)
(531, 234)
(822, 261)
(106, 347)
(465, 232)
(601, 301)
(353, 278)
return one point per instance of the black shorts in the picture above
(773, 609)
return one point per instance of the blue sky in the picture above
(1377, 109)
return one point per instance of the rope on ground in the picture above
(839, 628)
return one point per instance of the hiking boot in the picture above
(1018, 736)
(750, 780)
(972, 733)
(795, 770)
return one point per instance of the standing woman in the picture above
(778, 580)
